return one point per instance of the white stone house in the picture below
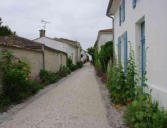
(72, 50)
(142, 23)
(104, 36)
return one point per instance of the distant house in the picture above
(72, 48)
(104, 36)
(142, 23)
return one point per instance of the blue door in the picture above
(142, 50)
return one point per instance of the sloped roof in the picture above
(67, 41)
(49, 46)
(20, 42)
(106, 30)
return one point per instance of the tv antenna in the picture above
(44, 22)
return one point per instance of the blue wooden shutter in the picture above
(120, 16)
(143, 51)
(125, 51)
(123, 9)
(119, 49)
(134, 3)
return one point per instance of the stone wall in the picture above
(33, 58)
(54, 59)
(51, 60)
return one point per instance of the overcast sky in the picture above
(73, 19)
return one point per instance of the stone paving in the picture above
(74, 103)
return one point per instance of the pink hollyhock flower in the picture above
(25, 68)
(26, 78)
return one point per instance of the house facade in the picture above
(72, 48)
(141, 24)
(104, 36)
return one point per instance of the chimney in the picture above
(42, 33)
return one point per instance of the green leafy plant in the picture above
(73, 67)
(98, 68)
(17, 83)
(91, 52)
(142, 112)
(47, 77)
(130, 77)
(116, 84)
(70, 65)
(122, 83)
(64, 71)
(79, 64)
(105, 54)
(4, 102)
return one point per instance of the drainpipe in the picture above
(43, 54)
(113, 33)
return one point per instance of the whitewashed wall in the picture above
(153, 12)
(103, 38)
(70, 50)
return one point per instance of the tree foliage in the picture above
(105, 54)
(5, 30)
(91, 52)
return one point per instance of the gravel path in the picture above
(75, 103)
